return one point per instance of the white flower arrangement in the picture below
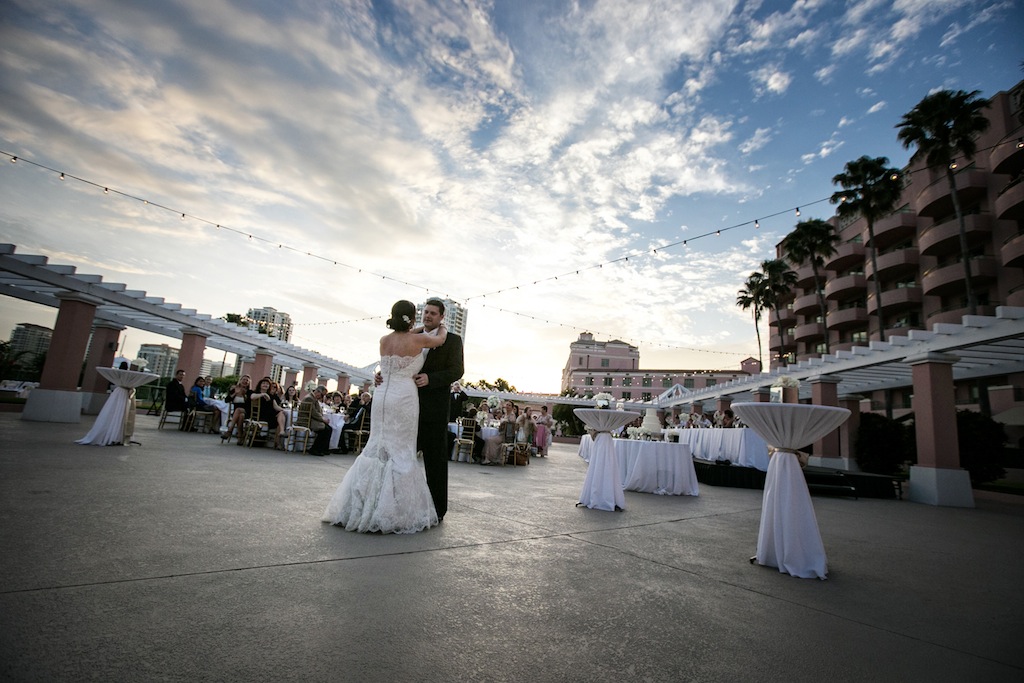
(493, 401)
(310, 386)
(603, 401)
(786, 382)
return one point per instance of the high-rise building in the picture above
(271, 322)
(160, 359)
(613, 367)
(30, 339)
(918, 252)
(455, 316)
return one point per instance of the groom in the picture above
(441, 367)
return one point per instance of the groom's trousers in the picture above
(432, 440)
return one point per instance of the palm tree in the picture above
(779, 281)
(750, 297)
(810, 242)
(872, 191)
(942, 126)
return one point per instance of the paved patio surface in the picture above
(187, 560)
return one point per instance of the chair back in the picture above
(468, 430)
(508, 432)
(255, 408)
(305, 415)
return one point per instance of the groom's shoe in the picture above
(320, 453)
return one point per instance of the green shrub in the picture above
(981, 442)
(882, 445)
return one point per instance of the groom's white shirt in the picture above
(433, 333)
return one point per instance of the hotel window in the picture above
(627, 395)
(647, 381)
(688, 383)
(604, 362)
(627, 381)
(646, 396)
(588, 381)
(607, 381)
(711, 382)
(666, 382)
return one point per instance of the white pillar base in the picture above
(51, 405)
(935, 486)
(92, 402)
(844, 464)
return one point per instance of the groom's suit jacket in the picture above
(442, 366)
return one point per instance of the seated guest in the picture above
(291, 397)
(199, 400)
(494, 450)
(208, 387)
(317, 423)
(351, 426)
(262, 402)
(177, 397)
(728, 419)
(239, 400)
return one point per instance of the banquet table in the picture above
(602, 487)
(656, 467)
(456, 429)
(337, 421)
(741, 446)
(788, 536)
(116, 422)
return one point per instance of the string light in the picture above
(14, 160)
(757, 224)
(106, 190)
(182, 216)
(952, 165)
(62, 176)
(1020, 143)
(798, 212)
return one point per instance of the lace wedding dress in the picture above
(386, 490)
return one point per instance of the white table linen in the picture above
(115, 423)
(223, 408)
(743, 447)
(456, 429)
(336, 421)
(657, 467)
(602, 487)
(788, 537)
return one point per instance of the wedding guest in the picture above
(728, 419)
(208, 386)
(239, 401)
(177, 398)
(262, 403)
(317, 423)
(458, 397)
(494, 451)
(526, 429)
(282, 416)
(543, 435)
(291, 396)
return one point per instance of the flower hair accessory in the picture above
(406, 319)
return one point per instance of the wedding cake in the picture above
(651, 423)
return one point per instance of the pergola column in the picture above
(937, 478)
(824, 392)
(309, 372)
(762, 395)
(848, 432)
(723, 404)
(190, 358)
(289, 377)
(344, 382)
(246, 369)
(262, 365)
(56, 399)
(101, 354)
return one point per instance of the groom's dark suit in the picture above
(442, 366)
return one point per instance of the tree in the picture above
(751, 297)
(499, 385)
(9, 360)
(779, 280)
(811, 242)
(870, 190)
(561, 412)
(943, 126)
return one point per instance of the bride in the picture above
(385, 490)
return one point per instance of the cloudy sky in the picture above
(537, 152)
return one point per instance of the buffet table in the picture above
(602, 487)
(788, 537)
(115, 423)
(741, 446)
(656, 467)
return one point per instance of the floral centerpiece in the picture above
(603, 401)
(790, 388)
(310, 386)
(493, 401)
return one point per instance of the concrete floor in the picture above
(186, 560)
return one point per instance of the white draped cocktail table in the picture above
(602, 487)
(788, 537)
(116, 422)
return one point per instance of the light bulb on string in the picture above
(952, 165)
(62, 176)
(14, 160)
(106, 190)
(798, 212)
(1020, 143)
(182, 216)
(757, 224)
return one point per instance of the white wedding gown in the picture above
(386, 490)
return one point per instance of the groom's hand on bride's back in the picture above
(378, 379)
(421, 380)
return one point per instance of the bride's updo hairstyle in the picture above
(403, 315)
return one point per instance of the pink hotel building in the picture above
(614, 367)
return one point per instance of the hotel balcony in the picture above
(1007, 158)
(805, 277)
(846, 287)
(847, 256)
(894, 263)
(775, 343)
(955, 315)
(784, 316)
(949, 279)
(846, 318)
(944, 238)
(1012, 251)
(937, 199)
(1015, 297)
(1009, 204)
(806, 304)
(895, 228)
(809, 332)
(896, 300)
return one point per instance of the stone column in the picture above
(262, 365)
(56, 399)
(848, 432)
(247, 370)
(762, 395)
(190, 358)
(937, 478)
(723, 403)
(826, 449)
(289, 377)
(344, 383)
(309, 372)
(101, 354)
